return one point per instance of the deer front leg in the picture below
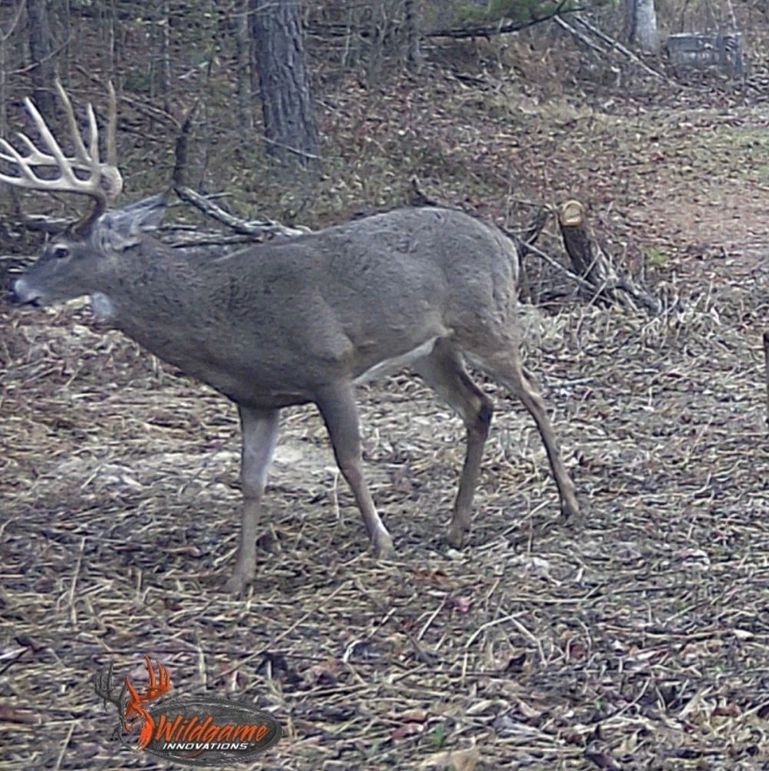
(260, 433)
(340, 413)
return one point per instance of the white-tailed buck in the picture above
(293, 321)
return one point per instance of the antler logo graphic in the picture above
(135, 711)
(131, 704)
(190, 730)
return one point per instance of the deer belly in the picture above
(396, 363)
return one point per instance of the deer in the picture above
(292, 321)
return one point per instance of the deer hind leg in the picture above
(444, 371)
(340, 414)
(259, 433)
(504, 365)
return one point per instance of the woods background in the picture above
(330, 86)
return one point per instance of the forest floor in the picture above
(636, 637)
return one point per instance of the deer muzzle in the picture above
(21, 293)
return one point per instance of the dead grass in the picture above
(636, 636)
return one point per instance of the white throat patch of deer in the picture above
(300, 319)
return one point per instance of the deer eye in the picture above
(60, 252)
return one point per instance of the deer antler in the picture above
(97, 180)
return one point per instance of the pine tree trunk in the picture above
(41, 53)
(290, 130)
(413, 54)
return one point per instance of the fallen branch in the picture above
(501, 27)
(584, 39)
(526, 238)
(244, 227)
(254, 228)
(524, 241)
(480, 29)
(606, 39)
(561, 268)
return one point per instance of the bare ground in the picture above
(636, 637)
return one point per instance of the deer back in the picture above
(270, 323)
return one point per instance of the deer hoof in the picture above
(569, 508)
(383, 546)
(239, 581)
(456, 537)
(236, 586)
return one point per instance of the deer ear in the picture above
(123, 228)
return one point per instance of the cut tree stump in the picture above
(592, 264)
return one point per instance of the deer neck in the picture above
(156, 297)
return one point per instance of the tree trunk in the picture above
(41, 53)
(413, 54)
(641, 25)
(165, 53)
(290, 130)
(244, 74)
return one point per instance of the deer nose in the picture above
(21, 294)
(13, 295)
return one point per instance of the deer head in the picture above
(69, 262)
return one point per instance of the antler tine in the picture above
(34, 156)
(67, 181)
(99, 181)
(26, 177)
(111, 177)
(112, 127)
(93, 136)
(64, 165)
(159, 681)
(77, 137)
(165, 679)
(150, 673)
(136, 699)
